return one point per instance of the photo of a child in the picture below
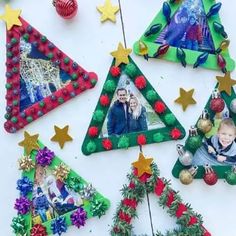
(219, 149)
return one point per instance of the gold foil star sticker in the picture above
(121, 55)
(186, 98)
(225, 83)
(108, 11)
(29, 143)
(61, 135)
(143, 165)
(11, 17)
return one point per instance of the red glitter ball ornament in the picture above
(210, 176)
(217, 105)
(66, 8)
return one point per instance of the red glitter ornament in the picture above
(66, 8)
(175, 133)
(140, 82)
(159, 107)
(115, 71)
(217, 105)
(104, 100)
(210, 176)
(93, 131)
(107, 144)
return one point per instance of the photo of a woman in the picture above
(136, 115)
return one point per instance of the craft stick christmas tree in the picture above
(210, 150)
(189, 32)
(40, 76)
(145, 179)
(52, 196)
(129, 111)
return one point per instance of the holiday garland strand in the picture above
(190, 223)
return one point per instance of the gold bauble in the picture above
(185, 177)
(205, 125)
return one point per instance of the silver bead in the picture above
(233, 105)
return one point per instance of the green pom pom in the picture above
(158, 137)
(194, 142)
(98, 116)
(123, 142)
(131, 70)
(110, 86)
(91, 147)
(169, 119)
(151, 95)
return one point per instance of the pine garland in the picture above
(189, 222)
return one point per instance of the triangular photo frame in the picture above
(40, 77)
(201, 156)
(214, 54)
(145, 179)
(96, 141)
(53, 196)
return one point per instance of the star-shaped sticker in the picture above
(121, 55)
(225, 83)
(108, 11)
(11, 17)
(186, 98)
(61, 135)
(143, 165)
(29, 143)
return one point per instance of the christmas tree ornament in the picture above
(217, 104)
(202, 52)
(162, 50)
(223, 46)
(134, 193)
(194, 140)
(108, 11)
(67, 9)
(186, 175)
(56, 190)
(233, 106)
(221, 63)
(185, 157)
(143, 50)
(226, 83)
(102, 136)
(230, 176)
(36, 64)
(210, 177)
(61, 135)
(204, 124)
(186, 98)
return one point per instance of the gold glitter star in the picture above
(108, 11)
(186, 98)
(26, 163)
(121, 55)
(61, 172)
(29, 143)
(11, 17)
(225, 83)
(143, 165)
(61, 135)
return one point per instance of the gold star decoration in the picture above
(225, 83)
(11, 17)
(61, 172)
(108, 11)
(61, 135)
(121, 55)
(26, 163)
(186, 98)
(29, 143)
(143, 165)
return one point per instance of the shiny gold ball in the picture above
(185, 177)
(205, 125)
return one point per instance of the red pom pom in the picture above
(159, 107)
(140, 82)
(104, 100)
(141, 139)
(38, 230)
(115, 71)
(107, 144)
(132, 185)
(175, 133)
(66, 8)
(93, 131)
(217, 105)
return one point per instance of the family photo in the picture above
(219, 145)
(188, 28)
(129, 111)
(51, 197)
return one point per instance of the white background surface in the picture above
(90, 42)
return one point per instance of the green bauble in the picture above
(231, 177)
(194, 142)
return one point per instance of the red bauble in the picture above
(141, 139)
(175, 133)
(107, 144)
(217, 105)
(93, 131)
(140, 82)
(104, 100)
(159, 107)
(210, 177)
(115, 71)
(66, 8)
